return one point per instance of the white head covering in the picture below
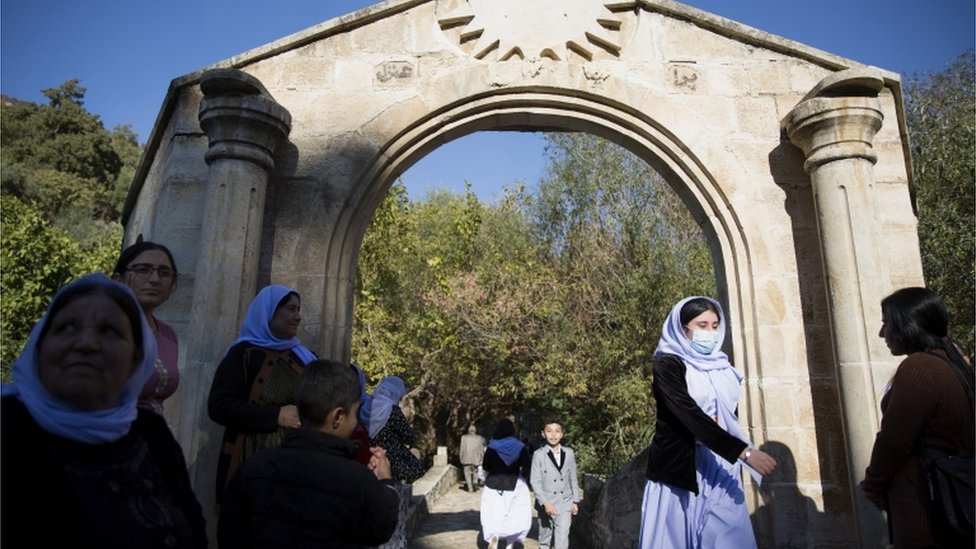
(55, 415)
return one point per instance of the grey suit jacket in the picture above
(559, 487)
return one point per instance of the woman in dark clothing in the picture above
(388, 428)
(924, 401)
(253, 390)
(82, 465)
(506, 509)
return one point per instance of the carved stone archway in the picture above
(268, 168)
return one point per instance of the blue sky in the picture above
(126, 52)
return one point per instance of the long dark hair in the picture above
(917, 320)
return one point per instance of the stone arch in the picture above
(542, 110)
(267, 167)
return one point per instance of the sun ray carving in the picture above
(503, 30)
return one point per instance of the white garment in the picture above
(506, 514)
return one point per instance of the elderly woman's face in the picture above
(88, 353)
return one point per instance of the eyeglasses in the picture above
(144, 270)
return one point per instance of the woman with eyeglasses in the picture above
(149, 271)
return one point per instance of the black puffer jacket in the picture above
(308, 492)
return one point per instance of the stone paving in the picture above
(454, 523)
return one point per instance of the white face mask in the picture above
(704, 341)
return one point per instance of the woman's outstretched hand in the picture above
(762, 462)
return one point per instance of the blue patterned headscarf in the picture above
(56, 416)
(259, 313)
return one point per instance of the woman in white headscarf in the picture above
(82, 465)
(253, 390)
(388, 428)
(693, 497)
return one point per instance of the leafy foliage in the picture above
(941, 109)
(36, 260)
(537, 305)
(64, 157)
(63, 181)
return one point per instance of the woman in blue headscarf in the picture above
(506, 508)
(693, 497)
(82, 465)
(388, 428)
(253, 390)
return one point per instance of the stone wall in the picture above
(713, 105)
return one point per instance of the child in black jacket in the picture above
(309, 491)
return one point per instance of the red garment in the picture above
(361, 437)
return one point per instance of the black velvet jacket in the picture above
(681, 422)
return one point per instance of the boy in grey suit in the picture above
(556, 488)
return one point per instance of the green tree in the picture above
(66, 157)
(36, 259)
(63, 180)
(940, 109)
(541, 303)
(626, 249)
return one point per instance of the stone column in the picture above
(244, 125)
(835, 126)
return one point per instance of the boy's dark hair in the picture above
(324, 386)
(553, 419)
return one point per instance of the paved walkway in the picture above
(454, 523)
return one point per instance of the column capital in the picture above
(838, 119)
(241, 119)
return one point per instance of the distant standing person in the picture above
(556, 487)
(693, 497)
(926, 409)
(253, 391)
(471, 452)
(148, 269)
(506, 509)
(388, 428)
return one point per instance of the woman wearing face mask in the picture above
(693, 497)
(253, 390)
